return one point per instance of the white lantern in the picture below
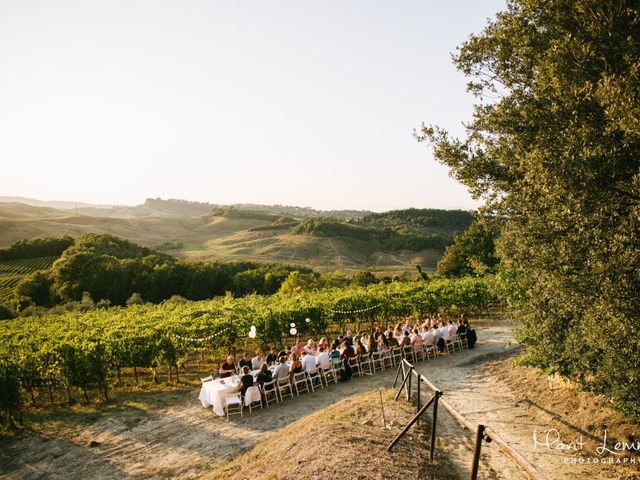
(252, 334)
(253, 328)
(307, 319)
(293, 331)
(293, 325)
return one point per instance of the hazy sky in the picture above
(290, 102)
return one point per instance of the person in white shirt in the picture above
(258, 360)
(444, 332)
(282, 370)
(453, 328)
(308, 362)
(323, 361)
(427, 336)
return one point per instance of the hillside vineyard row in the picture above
(88, 349)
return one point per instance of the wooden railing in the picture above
(482, 432)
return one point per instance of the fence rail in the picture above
(482, 432)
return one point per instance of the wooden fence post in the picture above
(476, 451)
(434, 421)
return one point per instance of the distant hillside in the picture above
(391, 242)
(157, 207)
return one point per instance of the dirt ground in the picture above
(170, 435)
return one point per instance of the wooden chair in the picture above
(252, 396)
(300, 383)
(284, 385)
(314, 377)
(270, 392)
(377, 362)
(232, 404)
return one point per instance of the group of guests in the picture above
(312, 356)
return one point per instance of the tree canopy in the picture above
(554, 151)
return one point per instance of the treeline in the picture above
(386, 237)
(111, 270)
(35, 248)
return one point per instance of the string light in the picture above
(349, 312)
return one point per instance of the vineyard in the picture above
(11, 271)
(75, 350)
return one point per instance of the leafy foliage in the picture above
(81, 349)
(472, 252)
(554, 149)
(36, 247)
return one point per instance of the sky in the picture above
(273, 102)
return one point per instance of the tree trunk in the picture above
(135, 373)
(50, 393)
(69, 399)
(86, 397)
(177, 374)
(119, 377)
(169, 365)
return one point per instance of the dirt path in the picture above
(177, 438)
(477, 394)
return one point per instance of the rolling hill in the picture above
(346, 240)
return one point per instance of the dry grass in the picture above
(345, 440)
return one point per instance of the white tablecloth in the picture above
(212, 393)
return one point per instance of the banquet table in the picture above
(213, 392)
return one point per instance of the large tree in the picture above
(554, 150)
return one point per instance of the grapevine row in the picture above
(78, 349)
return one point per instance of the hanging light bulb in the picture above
(293, 331)
(307, 319)
(252, 334)
(293, 325)
(253, 328)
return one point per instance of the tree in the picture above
(554, 151)
(472, 252)
(36, 287)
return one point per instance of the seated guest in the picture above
(416, 339)
(383, 343)
(347, 353)
(348, 338)
(444, 332)
(282, 370)
(407, 327)
(285, 352)
(296, 364)
(322, 360)
(427, 336)
(359, 348)
(462, 328)
(377, 332)
(258, 360)
(246, 380)
(298, 348)
(398, 333)
(372, 343)
(264, 375)
(392, 342)
(308, 362)
(406, 339)
(334, 355)
(228, 368)
(310, 347)
(245, 361)
(273, 356)
(453, 328)
(323, 343)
